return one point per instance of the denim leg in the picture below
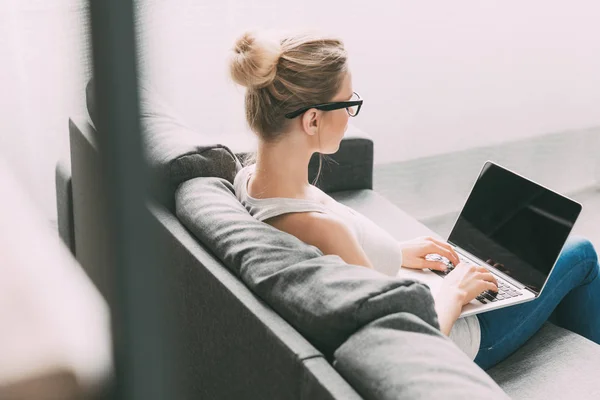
(574, 279)
(579, 310)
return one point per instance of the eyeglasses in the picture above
(352, 107)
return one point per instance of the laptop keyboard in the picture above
(505, 290)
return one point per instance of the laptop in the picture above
(515, 228)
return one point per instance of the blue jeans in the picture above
(571, 299)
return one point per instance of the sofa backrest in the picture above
(235, 345)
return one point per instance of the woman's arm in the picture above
(413, 252)
(326, 232)
(459, 287)
(330, 235)
(448, 306)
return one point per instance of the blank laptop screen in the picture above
(515, 225)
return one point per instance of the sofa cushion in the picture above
(554, 364)
(174, 152)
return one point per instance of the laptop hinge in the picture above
(532, 292)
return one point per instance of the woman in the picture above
(298, 101)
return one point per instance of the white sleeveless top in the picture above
(381, 248)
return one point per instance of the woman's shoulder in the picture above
(334, 205)
(323, 197)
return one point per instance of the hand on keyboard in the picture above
(504, 290)
(469, 281)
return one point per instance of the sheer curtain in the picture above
(44, 64)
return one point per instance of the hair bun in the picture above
(254, 60)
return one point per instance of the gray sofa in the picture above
(237, 343)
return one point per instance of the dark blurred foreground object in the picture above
(55, 326)
(137, 287)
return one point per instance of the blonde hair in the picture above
(282, 75)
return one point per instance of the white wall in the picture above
(43, 68)
(437, 76)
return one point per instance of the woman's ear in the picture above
(310, 121)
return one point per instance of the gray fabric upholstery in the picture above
(344, 310)
(321, 381)
(400, 357)
(174, 152)
(554, 364)
(232, 345)
(324, 298)
(64, 204)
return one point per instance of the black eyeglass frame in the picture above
(334, 105)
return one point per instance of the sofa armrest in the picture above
(64, 204)
(350, 168)
(89, 207)
(400, 356)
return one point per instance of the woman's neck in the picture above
(282, 169)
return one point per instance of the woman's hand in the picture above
(460, 286)
(469, 281)
(414, 252)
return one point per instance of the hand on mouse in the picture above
(415, 251)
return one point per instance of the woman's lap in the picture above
(573, 289)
